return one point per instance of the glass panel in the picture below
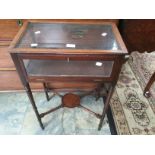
(65, 68)
(68, 36)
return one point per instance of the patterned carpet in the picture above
(132, 112)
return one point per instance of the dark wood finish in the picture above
(71, 85)
(26, 85)
(29, 93)
(13, 48)
(46, 91)
(50, 111)
(71, 100)
(9, 80)
(117, 56)
(111, 122)
(138, 34)
(149, 84)
(106, 106)
(90, 111)
(9, 28)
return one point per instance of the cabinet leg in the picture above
(29, 93)
(97, 93)
(106, 106)
(46, 91)
(149, 84)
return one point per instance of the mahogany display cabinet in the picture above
(47, 52)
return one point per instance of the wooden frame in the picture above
(118, 56)
(118, 37)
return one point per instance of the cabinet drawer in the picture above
(5, 59)
(9, 28)
(9, 80)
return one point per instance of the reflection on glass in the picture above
(114, 46)
(57, 35)
(34, 45)
(37, 32)
(104, 34)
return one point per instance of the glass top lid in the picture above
(68, 36)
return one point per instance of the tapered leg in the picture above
(106, 106)
(97, 93)
(29, 93)
(146, 90)
(46, 91)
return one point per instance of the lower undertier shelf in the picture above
(70, 100)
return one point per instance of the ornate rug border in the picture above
(142, 84)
